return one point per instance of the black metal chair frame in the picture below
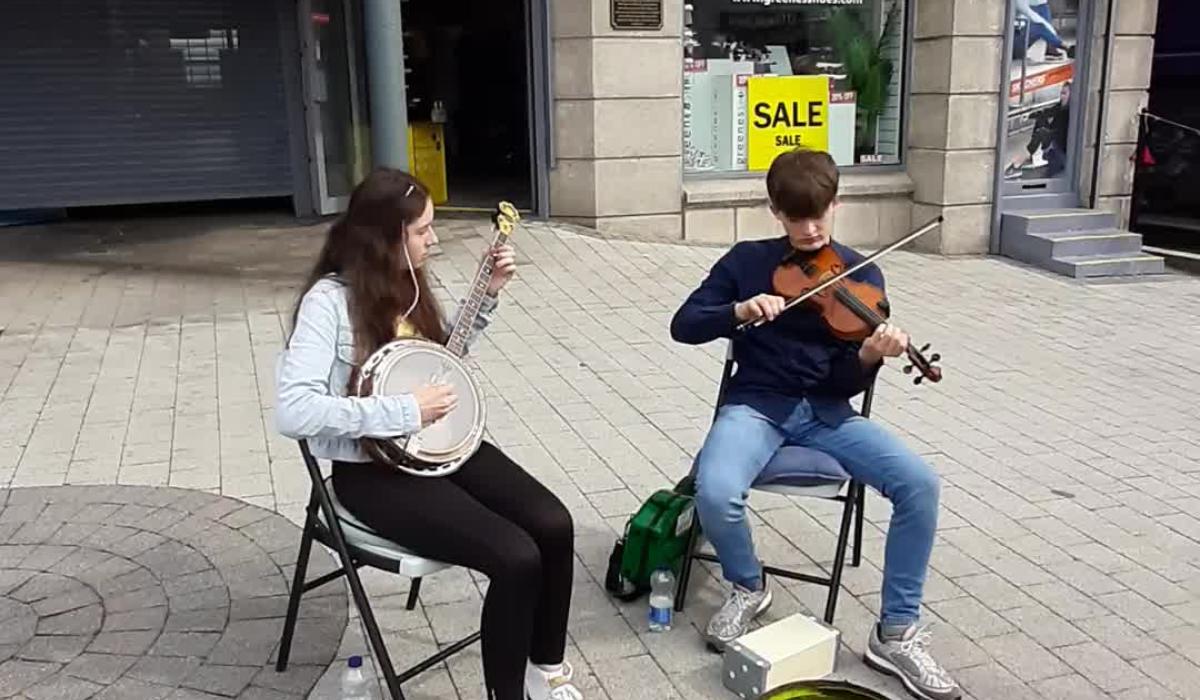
(852, 512)
(331, 534)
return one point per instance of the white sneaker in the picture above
(734, 617)
(540, 685)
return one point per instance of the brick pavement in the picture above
(1065, 432)
(119, 592)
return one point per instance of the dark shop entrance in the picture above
(468, 65)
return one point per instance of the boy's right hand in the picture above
(768, 305)
(435, 400)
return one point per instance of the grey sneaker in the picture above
(909, 660)
(731, 621)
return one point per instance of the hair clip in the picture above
(411, 187)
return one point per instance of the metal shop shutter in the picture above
(131, 101)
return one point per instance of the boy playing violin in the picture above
(793, 384)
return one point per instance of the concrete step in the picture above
(1106, 265)
(1036, 248)
(1043, 200)
(1058, 220)
(1074, 243)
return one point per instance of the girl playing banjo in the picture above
(367, 288)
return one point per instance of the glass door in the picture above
(333, 93)
(1046, 91)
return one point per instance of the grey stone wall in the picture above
(875, 210)
(952, 120)
(618, 100)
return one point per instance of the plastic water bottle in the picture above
(662, 599)
(355, 685)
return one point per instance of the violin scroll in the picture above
(928, 370)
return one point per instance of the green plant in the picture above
(867, 67)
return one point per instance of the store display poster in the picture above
(785, 112)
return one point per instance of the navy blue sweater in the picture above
(785, 360)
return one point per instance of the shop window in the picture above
(762, 76)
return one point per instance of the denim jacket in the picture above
(312, 372)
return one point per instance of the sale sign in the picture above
(786, 111)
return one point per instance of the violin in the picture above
(851, 310)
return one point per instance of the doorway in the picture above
(468, 66)
(1040, 139)
(334, 95)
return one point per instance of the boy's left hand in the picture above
(505, 264)
(886, 341)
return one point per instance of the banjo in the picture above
(404, 365)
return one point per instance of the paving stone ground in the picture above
(1065, 431)
(118, 592)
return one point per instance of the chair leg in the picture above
(839, 559)
(859, 510)
(685, 569)
(382, 659)
(414, 592)
(293, 609)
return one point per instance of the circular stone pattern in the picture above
(114, 592)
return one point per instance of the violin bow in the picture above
(845, 273)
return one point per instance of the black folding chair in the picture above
(824, 478)
(329, 523)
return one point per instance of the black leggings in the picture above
(493, 517)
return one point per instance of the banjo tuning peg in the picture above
(908, 369)
(935, 357)
(509, 211)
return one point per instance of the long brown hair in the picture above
(365, 248)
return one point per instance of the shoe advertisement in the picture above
(1041, 77)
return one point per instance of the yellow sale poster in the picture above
(785, 111)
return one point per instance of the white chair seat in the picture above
(812, 473)
(360, 536)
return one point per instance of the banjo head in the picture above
(402, 367)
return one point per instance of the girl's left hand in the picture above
(504, 265)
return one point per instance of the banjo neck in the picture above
(504, 219)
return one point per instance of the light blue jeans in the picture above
(742, 441)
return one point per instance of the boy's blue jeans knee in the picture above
(742, 441)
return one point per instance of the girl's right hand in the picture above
(435, 400)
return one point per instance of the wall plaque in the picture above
(637, 14)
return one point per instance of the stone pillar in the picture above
(1129, 67)
(385, 75)
(958, 46)
(618, 122)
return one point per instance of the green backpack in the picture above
(657, 535)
